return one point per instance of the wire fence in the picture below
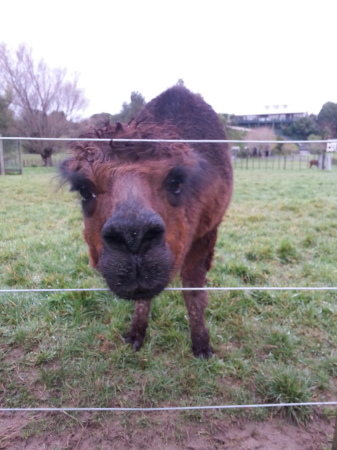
(273, 162)
(259, 162)
(220, 288)
(194, 141)
(171, 408)
(278, 162)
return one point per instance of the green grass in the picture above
(67, 349)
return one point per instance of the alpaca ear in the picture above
(64, 168)
(98, 132)
(119, 127)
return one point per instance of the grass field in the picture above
(67, 349)
(35, 160)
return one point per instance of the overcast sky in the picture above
(240, 55)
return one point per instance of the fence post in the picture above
(2, 159)
(324, 160)
(334, 439)
(20, 157)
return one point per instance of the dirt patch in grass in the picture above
(159, 430)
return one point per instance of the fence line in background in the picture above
(242, 162)
(280, 162)
(241, 159)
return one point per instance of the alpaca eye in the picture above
(86, 193)
(175, 186)
(175, 180)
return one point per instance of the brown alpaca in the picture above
(152, 209)
(313, 162)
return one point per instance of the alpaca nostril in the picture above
(113, 238)
(154, 234)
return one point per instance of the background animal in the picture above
(313, 162)
(152, 209)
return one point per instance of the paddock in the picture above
(68, 349)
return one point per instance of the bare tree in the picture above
(44, 99)
(6, 114)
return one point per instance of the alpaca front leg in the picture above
(196, 303)
(140, 320)
(196, 265)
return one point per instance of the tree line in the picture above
(322, 126)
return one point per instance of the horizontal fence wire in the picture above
(190, 141)
(247, 288)
(170, 408)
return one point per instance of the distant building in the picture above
(273, 115)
